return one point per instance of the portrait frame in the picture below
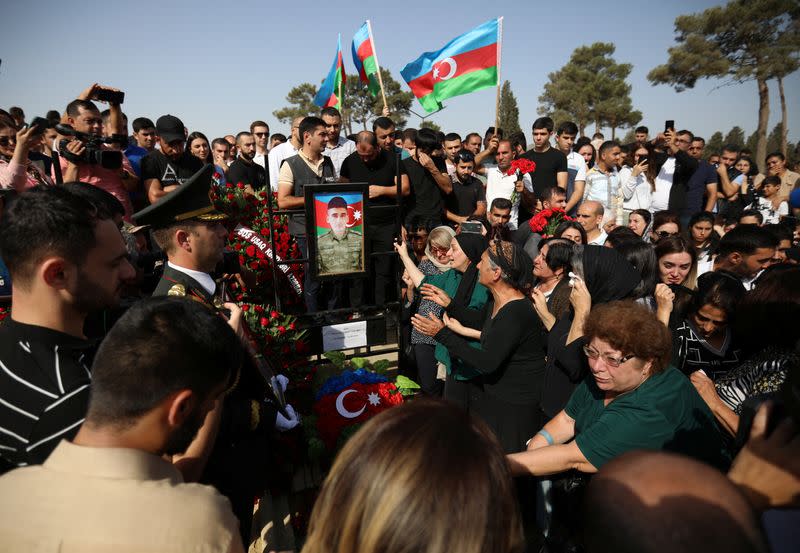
(325, 258)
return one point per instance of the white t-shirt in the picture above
(660, 198)
(275, 158)
(770, 214)
(499, 185)
(600, 240)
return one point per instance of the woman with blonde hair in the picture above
(424, 477)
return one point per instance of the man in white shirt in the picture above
(602, 180)
(500, 185)
(590, 216)
(576, 165)
(284, 151)
(338, 147)
(260, 131)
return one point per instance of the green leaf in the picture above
(359, 362)
(336, 357)
(381, 366)
(405, 383)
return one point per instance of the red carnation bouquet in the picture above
(546, 221)
(520, 167)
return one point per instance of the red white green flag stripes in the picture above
(364, 58)
(465, 64)
(331, 90)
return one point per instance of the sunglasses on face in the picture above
(260, 134)
(7, 140)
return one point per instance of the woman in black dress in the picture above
(510, 359)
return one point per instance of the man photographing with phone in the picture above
(85, 155)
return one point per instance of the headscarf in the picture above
(473, 246)
(607, 274)
(429, 254)
(516, 264)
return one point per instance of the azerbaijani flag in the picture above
(465, 64)
(327, 95)
(365, 60)
(355, 211)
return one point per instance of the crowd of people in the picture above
(606, 345)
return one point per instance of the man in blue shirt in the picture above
(703, 182)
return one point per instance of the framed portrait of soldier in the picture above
(336, 229)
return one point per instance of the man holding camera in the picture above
(85, 153)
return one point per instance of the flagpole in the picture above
(499, 82)
(378, 65)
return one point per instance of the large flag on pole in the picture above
(365, 60)
(330, 91)
(465, 64)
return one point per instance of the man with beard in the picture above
(190, 232)
(245, 170)
(66, 258)
(166, 169)
(159, 372)
(468, 198)
(340, 249)
(501, 185)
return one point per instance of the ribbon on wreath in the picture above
(263, 246)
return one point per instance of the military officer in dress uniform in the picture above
(340, 249)
(191, 233)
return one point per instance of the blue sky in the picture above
(220, 65)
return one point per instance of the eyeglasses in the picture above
(260, 134)
(7, 140)
(664, 233)
(609, 360)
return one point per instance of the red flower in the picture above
(228, 185)
(245, 308)
(522, 165)
(264, 232)
(240, 186)
(251, 250)
(253, 265)
(292, 325)
(274, 314)
(264, 321)
(282, 329)
(230, 197)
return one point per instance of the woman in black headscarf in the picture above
(599, 275)
(460, 287)
(510, 359)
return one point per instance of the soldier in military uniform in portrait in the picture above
(340, 250)
(191, 233)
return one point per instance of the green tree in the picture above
(735, 136)
(590, 88)
(430, 125)
(302, 99)
(775, 139)
(752, 142)
(629, 137)
(360, 108)
(741, 41)
(714, 144)
(358, 105)
(508, 114)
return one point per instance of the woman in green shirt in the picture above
(630, 400)
(461, 284)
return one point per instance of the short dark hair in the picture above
(500, 203)
(598, 135)
(409, 134)
(258, 123)
(382, 123)
(733, 148)
(772, 179)
(491, 130)
(559, 253)
(54, 117)
(752, 213)
(684, 132)
(776, 154)
(427, 141)
(464, 155)
(308, 124)
(75, 106)
(16, 111)
(278, 136)
(142, 123)
(621, 235)
(699, 139)
(722, 289)
(607, 145)
(518, 139)
(548, 192)
(544, 123)
(470, 135)
(560, 229)
(567, 127)
(160, 346)
(104, 202)
(239, 135)
(745, 239)
(641, 129)
(46, 221)
(451, 136)
(220, 141)
(330, 111)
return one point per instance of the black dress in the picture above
(511, 363)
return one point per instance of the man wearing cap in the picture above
(189, 230)
(163, 171)
(340, 249)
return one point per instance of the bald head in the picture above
(367, 145)
(653, 502)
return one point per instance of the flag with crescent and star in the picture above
(350, 399)
(465, 64)
(355, 211)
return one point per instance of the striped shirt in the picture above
(344, 147)
(44, 390)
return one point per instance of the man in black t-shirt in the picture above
(377, 167)
(245, 170)
(428, 178)
(163, 171)
(551, 164)
(468, 197)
